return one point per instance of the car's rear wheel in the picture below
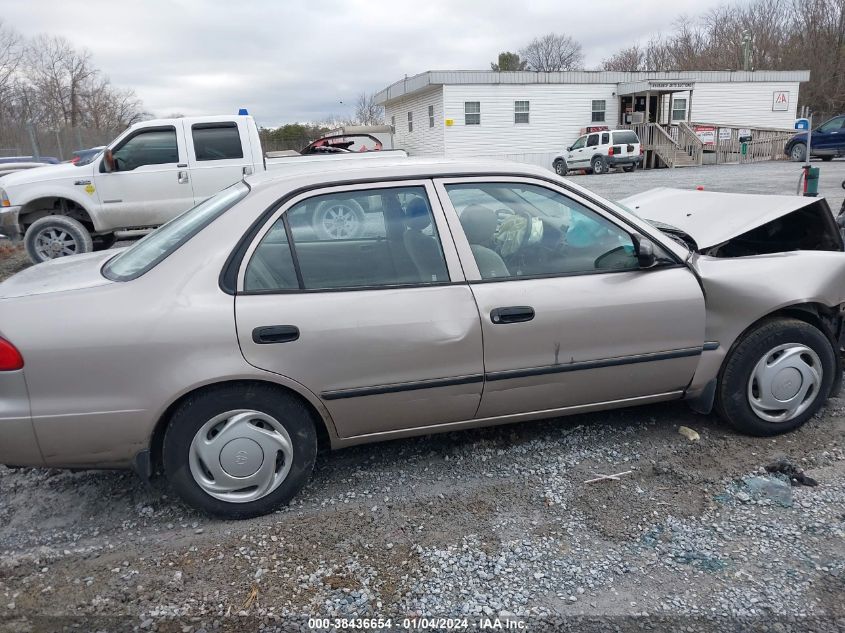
(56, 236)
(630, 168)
(798, 152)
(599, 165)
(239, 451)
(338, 220)
(776, 378)
(560, 167)
(827, 159)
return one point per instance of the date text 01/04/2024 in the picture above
(417, 623)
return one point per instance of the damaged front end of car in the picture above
(757, 257)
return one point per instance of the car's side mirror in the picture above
(569, 149)
(644, 250)
(108, 161)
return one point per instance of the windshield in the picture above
(152, 249)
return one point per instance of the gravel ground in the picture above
(492, 523)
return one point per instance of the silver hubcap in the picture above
(598, 167)
(784, 382)
(241, 456)
(340, 222)
(798, 152)
(51, 242)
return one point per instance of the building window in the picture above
(679, 109)
(599, 108)
(520, 111)
(410, 121)
(472, 113)
(431, 116)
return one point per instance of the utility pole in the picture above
(746, 50)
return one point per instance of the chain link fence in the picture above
(29, 139)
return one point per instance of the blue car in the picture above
(828, 141)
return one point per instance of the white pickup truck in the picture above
(148, 175)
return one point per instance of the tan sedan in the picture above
(223, 348)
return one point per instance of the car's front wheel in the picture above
(776, 378)
(56, 236)
(798, 153)
(239, 451)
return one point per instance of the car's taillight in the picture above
(610, 151)
(10, 357)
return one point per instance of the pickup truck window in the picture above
(155, 146)
(155, 247)
(217, 141)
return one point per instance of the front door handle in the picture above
(275, 334)
(183, 177)
(512, 314)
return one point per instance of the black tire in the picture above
(194, 412)
(68, 232)
(560, 167)
(798, 152)
(630, 168)
(599, 165)
(826, 159)
(732, 400)
(330, 220)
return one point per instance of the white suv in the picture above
(599, 151)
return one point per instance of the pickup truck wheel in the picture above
(599, 165)
(776, 378)
(560, 167)
(338, 220)
(798, 153)
(239, 451)
(630, 168)
(56, 236)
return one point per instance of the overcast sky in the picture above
(304, 60)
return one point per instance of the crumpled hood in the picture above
(58, 275)
(48, 172)
(710, 217)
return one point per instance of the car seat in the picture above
(480, 224)
(423, 249)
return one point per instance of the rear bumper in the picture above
(623, 160)
(9, 225)
(18, 446)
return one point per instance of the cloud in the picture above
(303, 61)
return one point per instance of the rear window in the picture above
(155, 247)
(627, 137)
(217, 141)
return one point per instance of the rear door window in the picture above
(627, 137)
(217, 141)
(356, 239)
(592, 140)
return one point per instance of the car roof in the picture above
(314, 173)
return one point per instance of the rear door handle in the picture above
(182, 177)
(275, 334)
(512, 314)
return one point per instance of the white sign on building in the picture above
(780, 100)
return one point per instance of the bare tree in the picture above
(11, 56)
(508, 61)
(553, 52)
(368, 111)
(60, 74)
(628, 59)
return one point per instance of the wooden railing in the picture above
(765, 144)
(689, 143)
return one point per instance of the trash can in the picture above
(811, 181)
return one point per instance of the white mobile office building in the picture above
(530, 116)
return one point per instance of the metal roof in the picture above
(434, 78)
